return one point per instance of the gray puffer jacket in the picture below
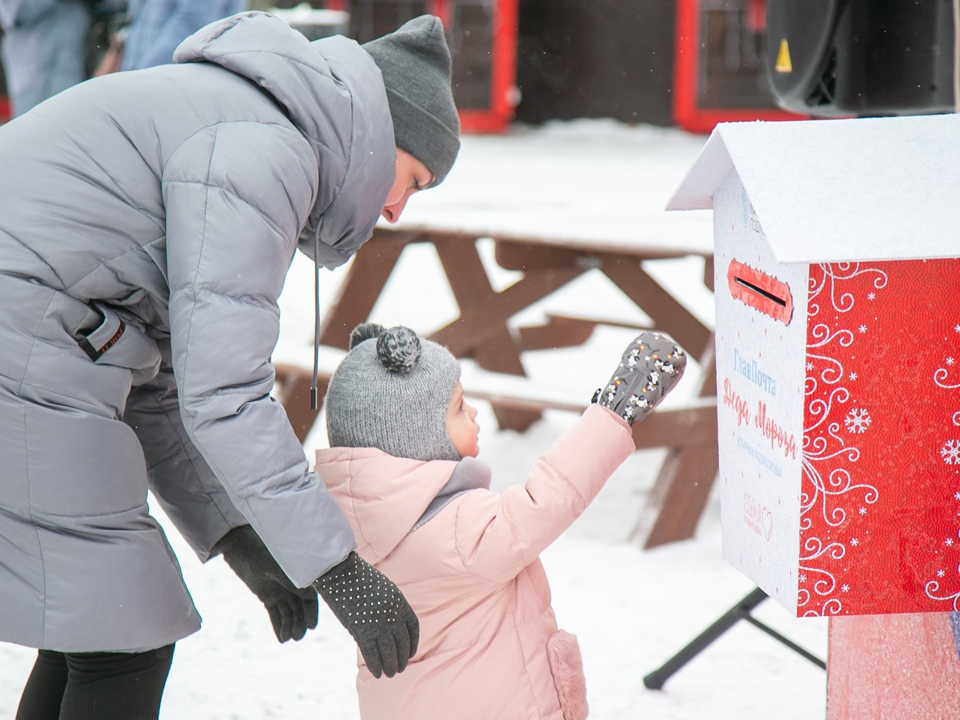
(147, 222)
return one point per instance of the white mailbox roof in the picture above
(837, 190)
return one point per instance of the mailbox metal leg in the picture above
(740, 611)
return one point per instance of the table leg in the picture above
(680, 493)
(360, 289)
(489, 340)
(667, 313)
(483, 312)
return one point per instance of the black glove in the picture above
(292, 610)
(650, 367)
(374, 611)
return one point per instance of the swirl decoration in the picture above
(833, 372)
(821, 333)
(838, 482)
(940, 376)
(940, 380)
(831, 607)
(933, 586)
(833, 275)
(825, 583)
(826, 456)
(821, 408)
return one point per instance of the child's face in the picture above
(462, 427)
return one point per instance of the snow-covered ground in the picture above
(631, 609)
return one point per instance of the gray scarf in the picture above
(469, 474)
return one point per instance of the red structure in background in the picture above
(483, 39)
(718, 65)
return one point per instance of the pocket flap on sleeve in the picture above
(115, 342)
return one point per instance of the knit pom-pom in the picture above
(398, 349)
(365, 331)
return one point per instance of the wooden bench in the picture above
(481, 332)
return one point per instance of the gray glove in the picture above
(375, 613)
(650, 367)
(292, 610)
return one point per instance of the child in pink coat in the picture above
(402, 467)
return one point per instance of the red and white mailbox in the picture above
(837, 288)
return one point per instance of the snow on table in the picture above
(587, 182)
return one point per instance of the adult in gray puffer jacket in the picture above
(147, 221)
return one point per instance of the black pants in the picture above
(96, 686)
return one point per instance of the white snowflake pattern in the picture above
(956, 328)
(854, 542)
(956, 496)
(845, 588)
(871, 296)
(949, 361)
(950, 452)
(862, 328)
(857, 420)
(853, 376)
(803, 578)
(863, 510)
(809, 366)
(948, 542)
(940, 573)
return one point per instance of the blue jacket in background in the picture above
(158, 26)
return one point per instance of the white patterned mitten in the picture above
(650, 367)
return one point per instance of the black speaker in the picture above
(829, 58)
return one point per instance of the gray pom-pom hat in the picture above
(391, 392)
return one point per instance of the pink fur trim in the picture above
(563, 653)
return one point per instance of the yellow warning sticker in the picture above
(783, 58)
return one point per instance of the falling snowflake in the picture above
(854, 542)
(871, 296)
(940, 573)
(862, 328)
(948, 542)
(845, 588)
(809, 367)
(956, 328)
(857, 420)
(863, 510)
(949, 361)
(803, 578)
(950, 452)
(853, 376)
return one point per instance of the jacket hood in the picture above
(382, 496)
(333, 92)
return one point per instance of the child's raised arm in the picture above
(498, 535)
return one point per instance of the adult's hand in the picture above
(292, 610)
(375, 613)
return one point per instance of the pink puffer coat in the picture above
(489, 643)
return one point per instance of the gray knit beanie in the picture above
(415, 64)
(391, 392)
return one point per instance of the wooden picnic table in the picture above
(614, 237)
